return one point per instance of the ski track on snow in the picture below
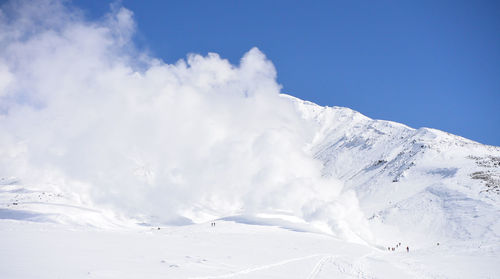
(353, 270)
(319, 266)
(263, 267)
(343, 267)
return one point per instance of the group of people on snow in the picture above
(397, 246)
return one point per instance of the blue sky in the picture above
(422, 63)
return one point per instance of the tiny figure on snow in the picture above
(407, 249)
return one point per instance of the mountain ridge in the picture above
(397, 170)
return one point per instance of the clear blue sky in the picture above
(422, 63)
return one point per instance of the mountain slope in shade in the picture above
(421, 184)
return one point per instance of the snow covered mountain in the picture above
(412, 184)
(425, 183)
(421, 188)
(116, 164)
(420, 181)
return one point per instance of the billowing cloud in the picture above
(81, 109)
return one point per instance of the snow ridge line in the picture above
(248, 270)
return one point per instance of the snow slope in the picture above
(228, 250)
(417, 187)
(426, 184)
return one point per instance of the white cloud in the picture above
(196, 139)
(6, 78)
